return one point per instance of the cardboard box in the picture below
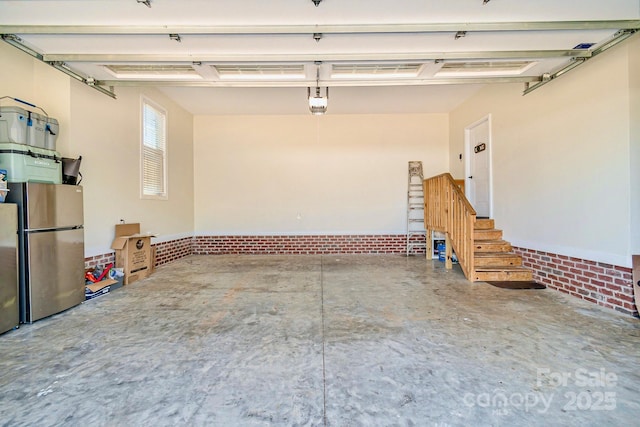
(3, 185)
(105, 286)
(88, 294)
(133, 252)
(97, 289)
(635, 259)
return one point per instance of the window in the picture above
(154, 151)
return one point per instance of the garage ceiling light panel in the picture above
(387, 71)
(151, 71)
(260, 72)
(484, 68)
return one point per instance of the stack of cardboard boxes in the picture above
(134, 253)
(134, 256)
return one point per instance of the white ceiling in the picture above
(82, 36)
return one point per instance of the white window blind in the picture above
(154, 146)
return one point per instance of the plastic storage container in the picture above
(442, 252)
(30, 164)
(13, 125)
(51, 133)
(36, 125)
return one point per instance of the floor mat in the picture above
(518, 285)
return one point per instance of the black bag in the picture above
(71, 171)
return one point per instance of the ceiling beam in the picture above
(332, 83)
(60, 66)
(617, 38)
(335, 57)
(324, 29)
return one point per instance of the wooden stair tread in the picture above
(511, 268)
(497, 245)
(484, 224)
(496, 259)
(487, 234)
(514, 274)
(495, 254)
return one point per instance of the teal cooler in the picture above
(30, 164)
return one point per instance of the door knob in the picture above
(470, 177)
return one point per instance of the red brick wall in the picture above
(100, 260)
(173, 250)
(604, 284)
(417, 239)
(165, 252)
(599, 283)
(302, 245)
(285, 245)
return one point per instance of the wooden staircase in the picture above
(494, 259)
(482, 253)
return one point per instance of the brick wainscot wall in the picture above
(603, 284)
(165, 252)
(303, 245)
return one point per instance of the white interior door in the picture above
(478, 181)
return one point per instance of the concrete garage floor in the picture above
(322, 340)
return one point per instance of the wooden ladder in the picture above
(494, 259)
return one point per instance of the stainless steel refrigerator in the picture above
(51, 247)
(9, 315)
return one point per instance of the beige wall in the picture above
(566, 161)
(26, 78)
(560, 159)
(634, 157)
(310, 174)
(106, 132)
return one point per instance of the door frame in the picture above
(468, 150)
